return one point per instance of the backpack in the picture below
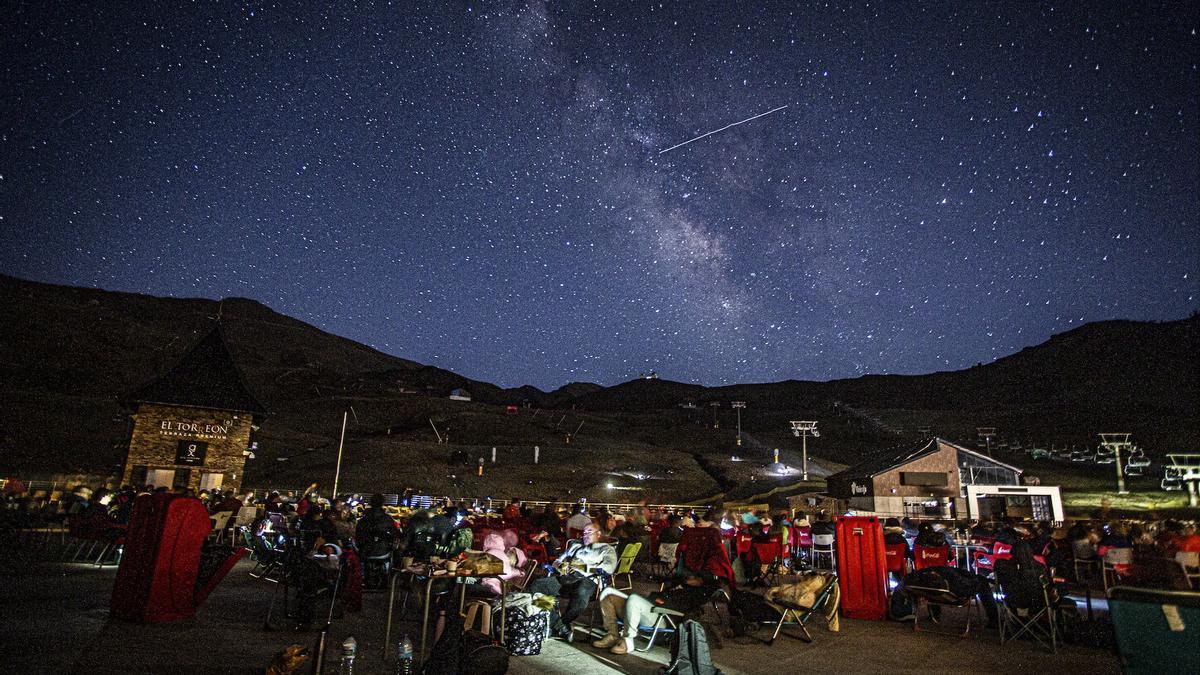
(689, 653)
(465, 652)
(900, 606)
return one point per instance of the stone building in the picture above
(192, 425)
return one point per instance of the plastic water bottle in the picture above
(349, 651)
(404, 658)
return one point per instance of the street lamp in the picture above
(804, 429)
(738, 405)
(715, 405)
(986, 434)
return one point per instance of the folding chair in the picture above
(1190, 561)
(984, 560)
(799, 615)
(673, 617)
(1036, 619)
(1115, 563)
(941, 597)
(897, 561)
(625, 566)
(930, 556)
(770, 553)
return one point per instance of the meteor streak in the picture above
(716, 131)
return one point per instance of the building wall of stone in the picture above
(158, 429)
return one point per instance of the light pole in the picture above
(715, 405)
(804, 429)
(738, 405)
(987, 434)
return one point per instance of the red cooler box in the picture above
(161, 561)
(862, 567)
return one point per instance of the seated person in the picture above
(893, 534)
(375, 531)
(494, 545)
(960, 583)
(573, 576)
(702, 568)
(314, 525)
(928, 536)
(684, 594)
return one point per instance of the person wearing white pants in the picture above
(632, 609)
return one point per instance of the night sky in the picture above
(480, 186)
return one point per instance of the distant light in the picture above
(610, 486)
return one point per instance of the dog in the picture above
(288, 661)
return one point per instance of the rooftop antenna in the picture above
(804, 429)
(1117, 442)
(986, 434)
(738, 405)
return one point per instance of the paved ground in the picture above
(55, 620)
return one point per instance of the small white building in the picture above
(460, 395)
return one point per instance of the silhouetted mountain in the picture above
(69, 356)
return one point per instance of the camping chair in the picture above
(1190, 561)
(802, 543)
(987, 561)
(665, 561)
(770, 553)
(930, 556)
(799, 615)
(667, 620)
(625, 566)
(941, 597)
(267, 558)
(1116, 563)
(1157, 631)
(1031, 615)
(897, 560)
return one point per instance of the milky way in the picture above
(478, 186)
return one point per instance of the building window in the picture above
(182, 477)
(160, 477)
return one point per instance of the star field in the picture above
(478, 186)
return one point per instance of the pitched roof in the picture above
(887, 460)
(206, 377)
